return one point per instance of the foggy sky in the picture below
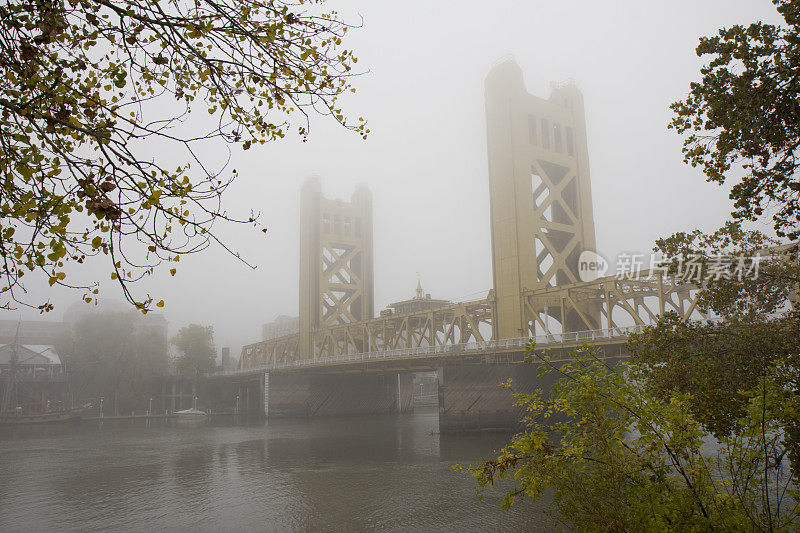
(425, 160)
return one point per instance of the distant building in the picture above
(282, 325)
(31, 331)
(420, 302)
(154, 321)
(43, 377)
(75, 312)
(29, 355)
(227, 362)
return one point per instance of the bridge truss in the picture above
(618, 302)
(609, 302)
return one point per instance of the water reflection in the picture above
(386, 473)
(192, 465)
(251, 456)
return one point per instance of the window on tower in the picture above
(570, 142)
(557, 137)
(545, 133)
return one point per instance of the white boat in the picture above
(191, 414)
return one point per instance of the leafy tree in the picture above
(713, 362)
(198, 353)
(117, 356)
(742, 120)
(91, 91)
(742, 273)
(630, 448)
(756, 337)
(617, 458)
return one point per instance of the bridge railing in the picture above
(549, 339)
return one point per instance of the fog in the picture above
(425, 160)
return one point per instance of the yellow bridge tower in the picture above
(336, 272)
(541, 199)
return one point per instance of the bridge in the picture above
(428, 358)
(345, 359)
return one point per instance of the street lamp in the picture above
(237, 404)
(101, 407)
(150, 408)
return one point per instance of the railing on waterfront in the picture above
(36, 372)
(445, 350)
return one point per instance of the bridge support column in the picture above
(307, 394)
(471, 398)
(405, 392)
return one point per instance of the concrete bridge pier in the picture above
(251, 396)
(472, 399)
(242, 394)
(310, 394)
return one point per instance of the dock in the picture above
(210, 414)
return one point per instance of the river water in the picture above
(378, 473)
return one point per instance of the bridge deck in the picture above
(427, 356)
